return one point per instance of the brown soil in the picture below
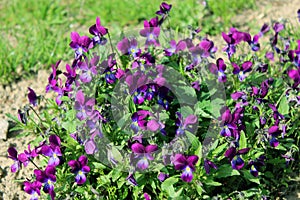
(14, 96)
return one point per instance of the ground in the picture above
(14, 96)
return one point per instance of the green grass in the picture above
(35, 33)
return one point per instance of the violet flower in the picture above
(33, 189)
(52, 79)
(175, 48)
(13, 154)
(234, 157)
(219, 70)
(22, 116)
(243, 70)
(47, 178)
(52, 150)
(83, 105)
(164, 9)
(184, 123)
(253, 43)
(143, 154)
(162, 176)
(294, 74)
(130, 178)
(80, 44)
(111, 74)
(146, 196)
(70, 74)
(276, 114)
(98, 31)
(151, 31)
(27, 156)
(88, 69)
(274, 131)
(208, 48)
(187, 164)
(256, 164)
(228, 123)
(129, 47)
(79, 168)
(209, 164)
(139, 120)
(264, 29)
(33, 99)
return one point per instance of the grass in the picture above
(35, 33)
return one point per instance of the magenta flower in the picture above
(243, 70)
(80, 168)
(130, 178)
(228, 123)
(143, 154)
(27, 156)
(187, 164)
(88, 69)
(33, 189)
(274, 131)
(164, 8)
(52, 150)
(208, 48)
(47, 178)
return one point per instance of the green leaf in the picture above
(193, 140)
(198, 153)
(167, 185)
(225, 171)
(243, 140)
(212, 182)
(250, 177)
(283, 106)
(220, 149)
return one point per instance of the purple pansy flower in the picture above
(274, 131)
(27, 156)
(52, 150)
(47, 178)
(80, 44)
(243, 70)
(208, 48)
(219, 70)
(139, 120)
(162, 176)
(129, 47)
(13, 154)
(276, 114)
(33, 189)
(22, 116)
(89, 69)
(255, 46)
(98, 31)
(187, 164)
(79, 168)
(52, 79)
(264, 29)
(130, 178)
(294, 74)
(71, 75)
(33, 99)
(151, 31)
(256, 164)
(83, 105)
(228, 123)
(209, 164)
(234, 156)
(175, 48)
(184, 123)
(143, 154)
(146, 196)
(164, 8)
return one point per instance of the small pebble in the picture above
(3, 129)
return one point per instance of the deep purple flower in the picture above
(83, 105)
(184, 123)
(175, 48)
(243, 70)
(187, 164)
(70, 74)
(255, 46)
(219, 70)
(33, 99)
(33, 189)
(196, 54)
(233, 38)
(52, 152)
(196, 85)
(239, 95)
(139, 120)
(274, 131)
(164, 9)
(80, 44)
(234, 157)
(143, 61)
(151, 31)
(89, 69)
(22, 116)
(264, 29)
(98, 31)
(129, 47)
(52, 79)
(228, 123)
(90, 147)
(256, 164)
(143, 154)
(47, 178)
(79, 168)
(208, 164)
(130, 178)
(276, 114)
(13, 154)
